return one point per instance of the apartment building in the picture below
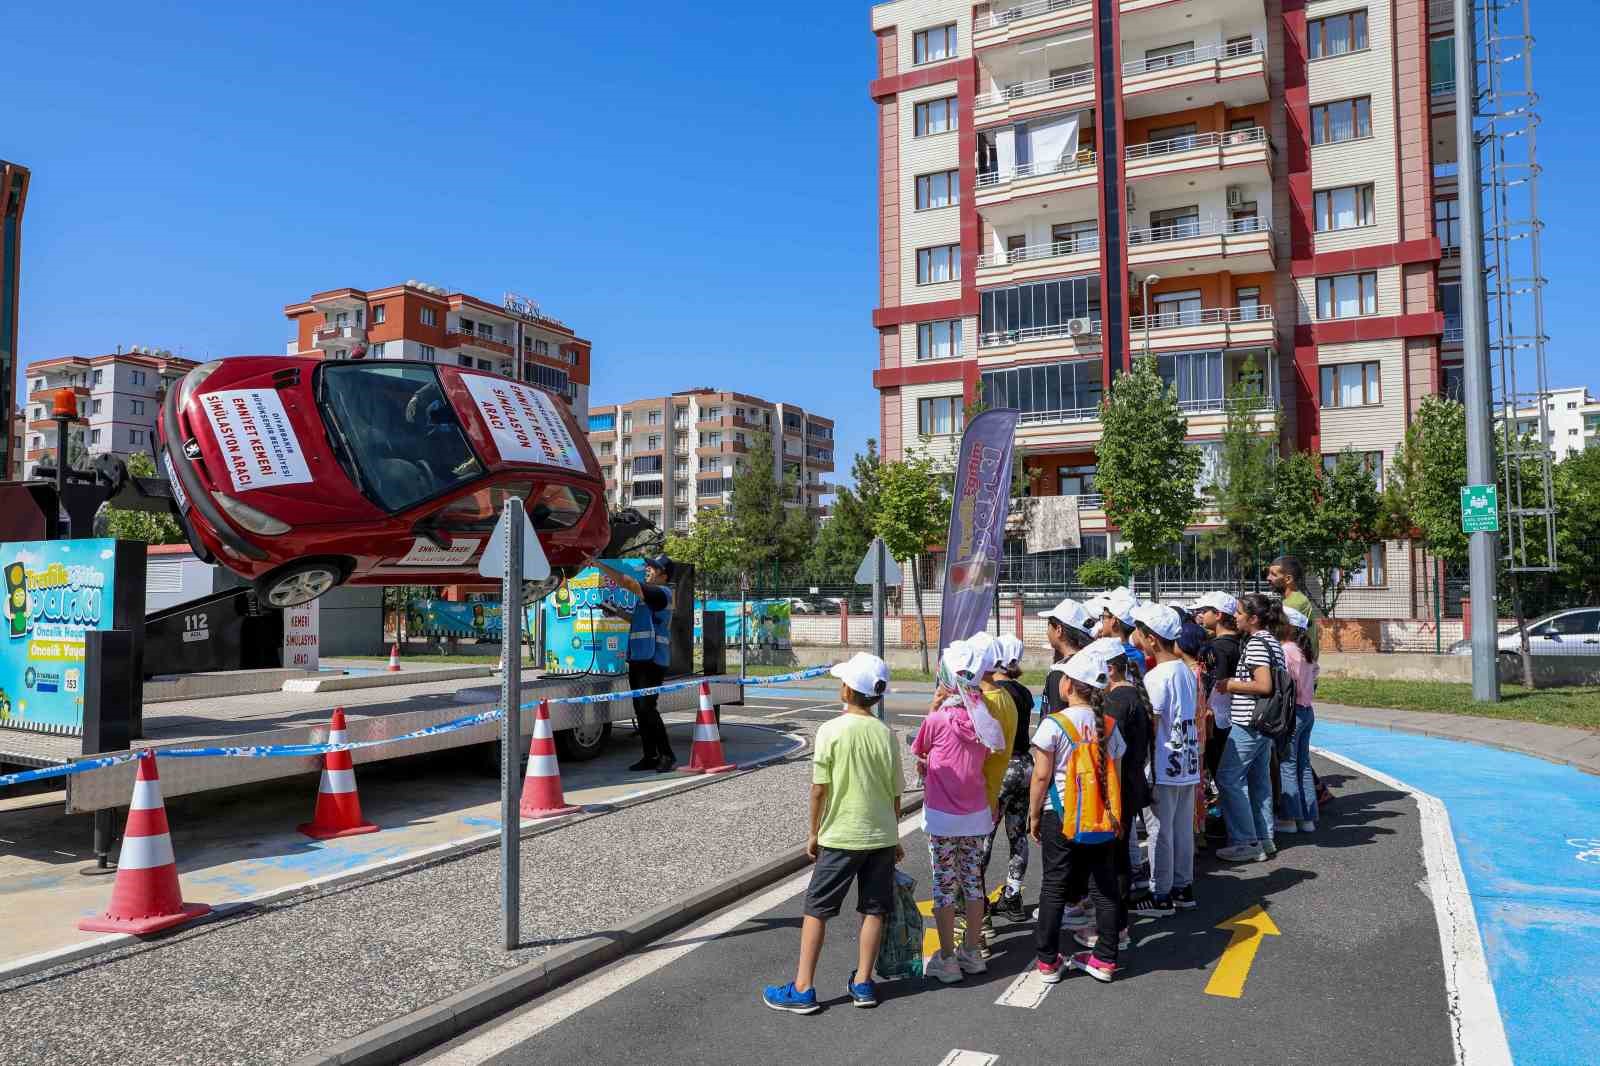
(674, 456)
(415, 320)
(118, 395)
(16, 468)
(13, 198)
(1571, 422)
(1258, 193)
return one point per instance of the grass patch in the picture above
(1577, 706)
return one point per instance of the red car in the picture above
(301, 474)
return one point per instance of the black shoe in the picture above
(1155, 907)
(1183, 898)
(1137, 899)
(666, 764)
(1010, 907)
(649, 762)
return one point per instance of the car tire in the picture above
(301, 582)
(583, 743)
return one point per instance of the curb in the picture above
(1587, 763)
(422, 1029)
(346, 682)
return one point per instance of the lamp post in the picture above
(1144, 288)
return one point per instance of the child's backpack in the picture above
(1087, 793)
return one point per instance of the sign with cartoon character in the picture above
(580, 635)
(55, 591)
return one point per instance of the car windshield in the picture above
(396, 434)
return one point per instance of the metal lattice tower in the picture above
(1507, 120)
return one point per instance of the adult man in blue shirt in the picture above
(649, 653)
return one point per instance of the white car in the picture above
(799, 606)
(1575, 631)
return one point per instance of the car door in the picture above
(1572, 633)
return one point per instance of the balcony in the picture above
(456, 337)
(326, 338)
(1082, 334)
(1076, 256)
(47, 395)
(1025, 100)
(1232, 74)
(1239, 245)
(1213, 327)
(1453, 331)
(1246, 153)
(1003, 23)
(1075, 175)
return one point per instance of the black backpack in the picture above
(1274, 714)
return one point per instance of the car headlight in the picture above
(194, 379)
(249, 517)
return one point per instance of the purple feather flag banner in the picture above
(978, 507)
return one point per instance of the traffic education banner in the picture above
(55, 591)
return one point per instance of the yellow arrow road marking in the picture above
(1248, 927)
(930, 931)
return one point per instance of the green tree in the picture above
(757, 509)
(712, 544)
(1328, 520)
(140, 525)
(1144, 469)
(843, 539)
(1577, 492)
(1242, 487)
(913, 512)
(1099, 574)
(1423, 495)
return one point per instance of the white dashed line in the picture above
(1027, 991)
(960, 1057)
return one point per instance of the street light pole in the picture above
(1144, 288)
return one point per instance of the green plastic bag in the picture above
(900, 954)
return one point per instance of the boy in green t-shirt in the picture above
(855, 833)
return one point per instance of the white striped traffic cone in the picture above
(338, 812)
(146, 897)
(706, 757)
(541, 786)
(394, 658)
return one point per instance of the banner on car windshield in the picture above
(258, 444)
(524, 422)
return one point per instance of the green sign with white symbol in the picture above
(1480, 509)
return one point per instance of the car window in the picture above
(1575, 622)
(549, 507)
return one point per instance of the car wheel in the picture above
(300, 582)
(584, 741)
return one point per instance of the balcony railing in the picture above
(1453, 330)
(1061, 417)
(1211, 227)
(462, 336)
(1038, 333)
(1023, 90)
(1218, 404)
(1442, 88)
(1194, 141)
(1082, 160)
(1203, 54)
(1000, 18)
(1203, 317)
(339, 332)
(1089, 242)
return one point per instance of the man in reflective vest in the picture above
(649, 653)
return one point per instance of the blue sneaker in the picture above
(864, 994)
(784, 997)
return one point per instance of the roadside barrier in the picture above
(302, 751)
(338, 811)
(541, 786)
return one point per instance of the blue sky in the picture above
(691, 187)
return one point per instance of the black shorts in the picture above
(873, 872)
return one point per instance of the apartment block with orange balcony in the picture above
(1257, 194)
(118, 396)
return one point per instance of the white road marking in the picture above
(961, 1057)
(1027, 991)
(1476, 1029)
(499, 1037)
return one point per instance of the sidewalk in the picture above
(1558, 744)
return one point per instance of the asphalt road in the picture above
(1355, 975)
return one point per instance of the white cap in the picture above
(987, 650)
(1097, 605)
(1106, 648)
(1090, 669)
(961, 658)
(1160, 619)
(1296, 618)
(1217, 601)
(1011, 649)
(1121, 603)
(1070, 612)
(866, 674)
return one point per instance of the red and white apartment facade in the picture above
(118, 396)
(1275, 176)
(414, 320)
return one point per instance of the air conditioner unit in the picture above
(1235, 196)
(1130, 199)
(1078, 327)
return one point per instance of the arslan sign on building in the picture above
(524, 422)
(302, 636)
(258, 444)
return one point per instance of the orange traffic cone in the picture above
(338, 812)
(706, 757)
(146, 897)
(394, 658)
(541, 787)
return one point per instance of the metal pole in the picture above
(744, 586)
(1481, 547)
(878, 597)
(511, 726)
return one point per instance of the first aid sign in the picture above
(258, 444)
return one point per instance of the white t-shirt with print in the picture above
(1051, 739)
(1174, 695)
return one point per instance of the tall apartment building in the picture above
(1252, 191)
(13, 198)
(118, 399)
(1572, 422)
(414, 320)
(674, 456)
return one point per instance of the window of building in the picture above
(428, 316)
(94, 436)
(1006, 313)
(1334, 35)
(1170, 224)
(94, 407)
(739, 438)
(710, 463)
(1070, 238)
(606, 447)
(375, 350)
(1346, 207)
(1447, 225)
(35, 443)
(1248, 300)
(1347, 295)
(1351, 385)
(934, 116)
(1169, 55)
(932, 45)
(135, 436)
(939, 340)
(941, 263)
(1373, 572)
(38, 383)
(647, 464)
(653, 441)
(541, 347)
(1075, 480)
(1373, 461)
(136, 407)
(714, 439)
(939, 416)
(940, 189)
(1442, 65)
(1176, 308)
(1341, 120)
(379, 313)
(1197, 376)
(466, 325)
(136, 377)
(1453, 384)
(1171, 138)
(653, 418)
(484, 364)
(425, 352)
(99, 377)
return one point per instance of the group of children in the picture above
(1143, 706)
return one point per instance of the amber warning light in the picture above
(65, 404)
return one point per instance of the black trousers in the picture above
(1066, 868)
(652, 730)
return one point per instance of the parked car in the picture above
(799, 606)
(1574, 631)
(302, 474)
